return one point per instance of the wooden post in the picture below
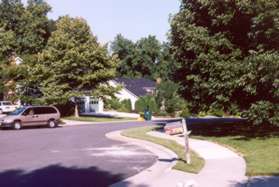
(187, 146)
(76, 111)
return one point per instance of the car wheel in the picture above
(51, 124)
(17, 125)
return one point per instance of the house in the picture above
(132, 89)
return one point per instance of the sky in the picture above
(134, 19)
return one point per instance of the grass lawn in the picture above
(140, 133)
(96, 119)
(258, 145)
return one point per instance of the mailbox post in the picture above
(186, 134)
(186, 137)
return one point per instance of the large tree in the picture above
(125, 50)
(24, 32)
(73, 63)
(29, 24)
(146, 57)
(228, 51)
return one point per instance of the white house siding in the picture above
(124, 94)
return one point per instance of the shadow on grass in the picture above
(58, 176)
(171, 160)
(241, 131)
(272, 181)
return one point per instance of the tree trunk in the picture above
(76, 111)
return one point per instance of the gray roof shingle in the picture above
(139, 86)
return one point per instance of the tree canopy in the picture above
(228, 52)
(146, 57)
(73, 62)
(24, 31)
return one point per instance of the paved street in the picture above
(68, 156)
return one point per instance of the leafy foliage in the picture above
(24, 31)
(145, 58)
(168, 98)
(116, 104)
(263, 112)
(126, 106)
(146, 102)
(73, 62)
(228, 53)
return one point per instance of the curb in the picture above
(82, 123)
(166, 160)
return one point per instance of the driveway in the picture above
(69, 156)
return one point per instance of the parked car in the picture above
(31, 116)
(7, 106)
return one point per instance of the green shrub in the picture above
(263, 112)
(174, 105)
(126, 106)
(216, 112)
(146, 102)
(121, 106)
(167, 98)
(185, 112)
(162, 113)
(67, 109)
(112, 104)
(202, 114)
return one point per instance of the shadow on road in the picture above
(242, 131)
(58, 176)
(272, 181)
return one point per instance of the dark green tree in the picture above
(225, 49)
(125, 50)
(166, 66)
(24, 32)
(145, 58)
(29, 24)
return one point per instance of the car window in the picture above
(39, 110)
(51, 110)
(17, 111)
(28, 112)
(45, 110)
(7, 103)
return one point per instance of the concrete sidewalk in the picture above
(158, 175)
(223, 167)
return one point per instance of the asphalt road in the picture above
(78, 156)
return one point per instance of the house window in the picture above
(94, 102)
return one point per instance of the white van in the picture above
(7, 106)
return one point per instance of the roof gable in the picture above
(139, 87)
